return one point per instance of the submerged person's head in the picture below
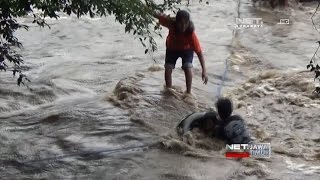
(183, 22)
(224, 107)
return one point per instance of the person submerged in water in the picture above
(231, 128)
(205, 121)
(222, 124)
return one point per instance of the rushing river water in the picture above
(97, 108)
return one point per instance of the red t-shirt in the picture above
(179, 41)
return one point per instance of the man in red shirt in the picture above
(181, 42)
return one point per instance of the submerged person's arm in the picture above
(190, 122)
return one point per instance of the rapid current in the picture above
(97, 107)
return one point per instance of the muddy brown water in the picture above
(94, 90)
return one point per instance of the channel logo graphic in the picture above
(284, 21)
(249, 22)
(258, 150)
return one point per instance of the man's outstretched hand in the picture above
(152, 9)
(204, 77)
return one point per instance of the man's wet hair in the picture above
(224, 107)
(183, 14)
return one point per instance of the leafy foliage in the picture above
(316, 69)
(313, 65)
(136, 15)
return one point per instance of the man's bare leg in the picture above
(168, 77)
(188, 75)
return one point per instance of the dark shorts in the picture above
(172, 56)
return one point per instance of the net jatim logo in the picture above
(258, 150)
(249, 22)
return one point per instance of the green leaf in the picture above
(312, 69)
(127, 29)
(308, 66)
